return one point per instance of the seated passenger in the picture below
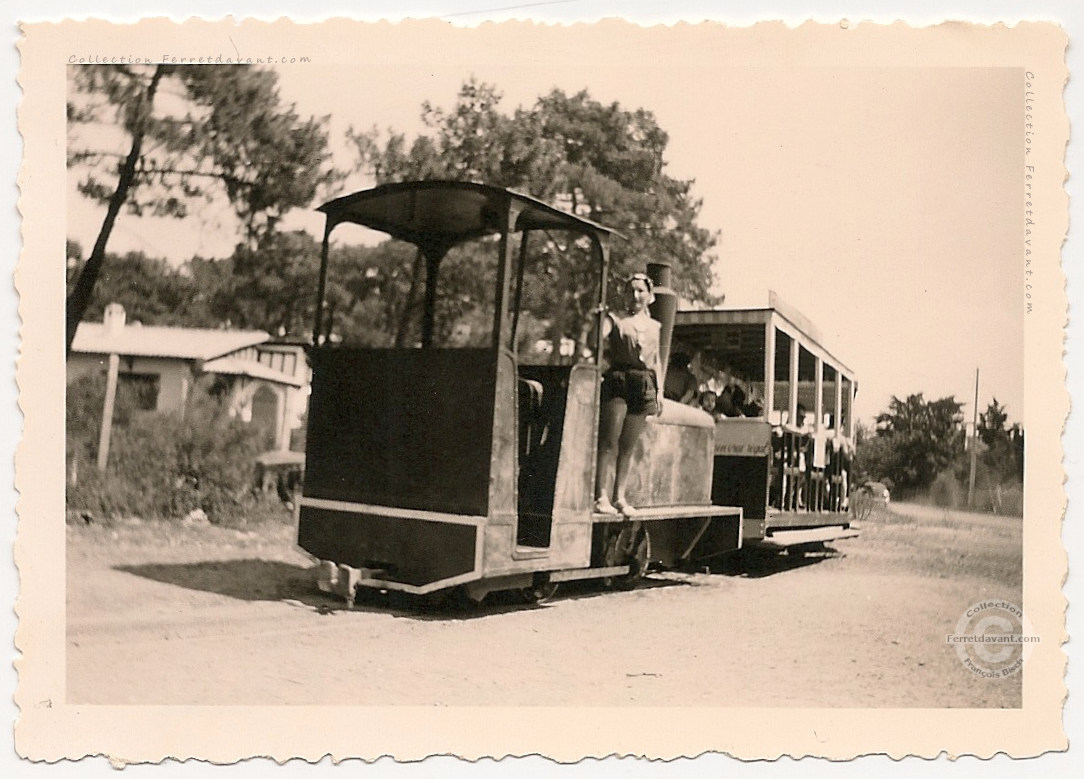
(731, 401)
(680, 383)
(707, 401)
(719, 380)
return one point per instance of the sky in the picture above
(881, 202)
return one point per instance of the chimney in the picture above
(663, 309)
(113, 319)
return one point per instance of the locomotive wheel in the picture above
(612, 554)
(637, 559)
(435, 601)
(541, 590)
(630, 546)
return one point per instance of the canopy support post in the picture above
(321, 286)
(519, 285)
(433, 256)
(769, 368)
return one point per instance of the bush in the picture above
(949, 491)
(164, 465)
(83, 416)
(945, 491)
(861, 505)
(1008, 499)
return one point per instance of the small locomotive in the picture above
(460, 456)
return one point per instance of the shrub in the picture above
(1005, 498)
(861, 505)
(83, 416)
(946, 491)
(165, 465)
(1008, 499)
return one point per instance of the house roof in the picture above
(186, 343)
(233, 366)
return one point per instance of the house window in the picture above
(142, 388)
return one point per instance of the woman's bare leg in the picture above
(611, 424)
(630, 434)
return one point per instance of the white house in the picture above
(267, 382)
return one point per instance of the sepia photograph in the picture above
(607, 369)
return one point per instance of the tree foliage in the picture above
(152, 139)
(992, 423)
(1002, 455)
(920, 446)
(150, 289)
(272, 286)
(918, 439)
(598, 161)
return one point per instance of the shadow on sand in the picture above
(273, 580)
(245, 579)
(756, 562)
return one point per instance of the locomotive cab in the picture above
(460, 452)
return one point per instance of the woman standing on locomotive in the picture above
(630, 392)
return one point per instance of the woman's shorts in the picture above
(638, 388)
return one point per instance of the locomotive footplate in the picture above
(666, 535)
(672, 512)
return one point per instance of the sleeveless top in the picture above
(633, 342)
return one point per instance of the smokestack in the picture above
(113, 319)
(663, 309)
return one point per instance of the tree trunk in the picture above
(83, 291)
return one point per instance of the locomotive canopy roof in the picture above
(445, 213)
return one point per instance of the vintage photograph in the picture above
(414, 366)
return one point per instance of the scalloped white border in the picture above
(738, 14)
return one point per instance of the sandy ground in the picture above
(166, 614)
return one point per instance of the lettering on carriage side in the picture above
(748, 450)
(1029, 177)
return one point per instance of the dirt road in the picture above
(166, 614)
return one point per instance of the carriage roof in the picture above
(786, 320)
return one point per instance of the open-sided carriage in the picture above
(461, 453)
(786, 457)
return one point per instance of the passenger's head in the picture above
(707, 400)
(679, 360)
(639, 292)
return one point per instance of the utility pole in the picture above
(974, 443)
(106, 432)
(112, 326)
